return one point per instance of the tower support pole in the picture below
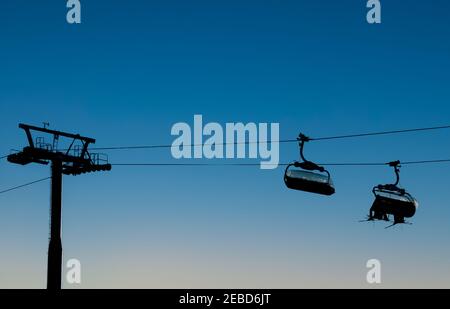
(54, 268)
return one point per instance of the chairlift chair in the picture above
(302, 176)
(390, 200)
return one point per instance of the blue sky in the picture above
(132, 69)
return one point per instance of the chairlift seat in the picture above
(309, 182)
(394, 203)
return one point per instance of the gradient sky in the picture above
(134, 68)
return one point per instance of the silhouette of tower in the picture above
(74, 161)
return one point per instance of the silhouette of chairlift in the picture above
(303, 177)
(390, 200)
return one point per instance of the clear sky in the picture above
(134, 68)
